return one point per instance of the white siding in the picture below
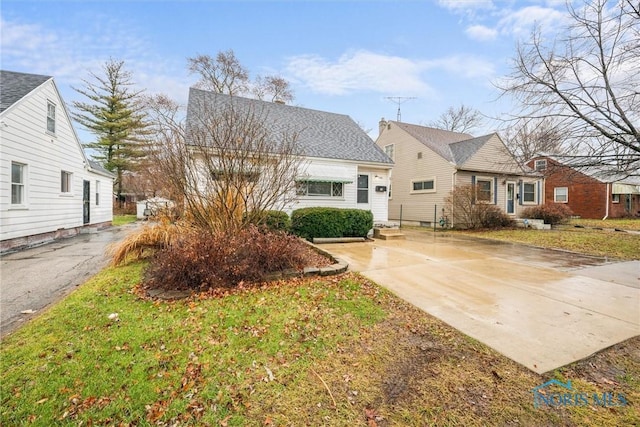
(24, 139)
(349, 171)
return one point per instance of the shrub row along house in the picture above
(430, 163)
(588, 191)
(49, 188)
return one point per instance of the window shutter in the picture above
(520, 192)
(473, 185)
(538, 194)
(495, 190)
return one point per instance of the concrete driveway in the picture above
(33, 278)
(542, 308)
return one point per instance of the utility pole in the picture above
(399, 100)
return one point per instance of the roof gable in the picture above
(14, 86)
(320, 134)
(437, 140)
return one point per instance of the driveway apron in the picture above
(541, 308)
(33, 278)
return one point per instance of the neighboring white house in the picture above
(343, 166)
(430, 162)
(48, 187)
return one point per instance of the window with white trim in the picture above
(423, 185)
(51, 117)
(65, 181)
(320, 189)
(97, 193)
(389, 150)
(540, 165)
(615, 198)
(560, 194)
(484, 190)
(18, 173)
(363, 188)
(529, 192)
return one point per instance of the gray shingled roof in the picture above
(98, 168)
(14, 86)
(464, 150)
(437, 140)
(320, 134)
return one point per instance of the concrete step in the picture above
(388, 234)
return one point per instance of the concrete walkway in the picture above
(33, 278)
(542, 308)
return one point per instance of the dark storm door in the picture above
(86, 201)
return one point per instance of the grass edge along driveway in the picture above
(337, 351)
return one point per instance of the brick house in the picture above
(587, 191)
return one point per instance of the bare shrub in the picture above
(553, 213)
(201, 260)
(466, 211)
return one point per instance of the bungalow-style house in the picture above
(430, 163)
(588, 191)
(343, 166)
(49, 188)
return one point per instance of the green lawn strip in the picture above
(123, 219)
(619, 223)
(336, 351)
(605, 243)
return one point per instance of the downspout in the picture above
(453, 187)
(606, 209)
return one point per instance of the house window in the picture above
(615, 198)
(65, 182)
(484, 190)
(540, 165)
(529, 192)
(389, 151)
(320, 189)
(18, 172)
(561, 194)
(419, 155)
(423, 186)
(363, 188)
(51, 117)
(97, 193)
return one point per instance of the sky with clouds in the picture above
(346, 57)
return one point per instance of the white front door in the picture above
(364, 191)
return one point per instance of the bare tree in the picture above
(466, 207)
(529, 137)
(462, 119)
(587, 80)
(222, 74)
(228, 168)
(273, 88)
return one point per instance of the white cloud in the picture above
(364, 71)
(69, 55)
(481, 33)
(466, 6)
(521, 22)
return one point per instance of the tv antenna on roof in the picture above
(399, 100)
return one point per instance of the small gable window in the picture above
(540, 165)
(51, 117)
(389, 151)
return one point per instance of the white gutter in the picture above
(606, 214)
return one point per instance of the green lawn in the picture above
(335, 351)
(123, 219)
(623, 224)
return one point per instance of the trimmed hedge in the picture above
(272, 220)
(331, 222)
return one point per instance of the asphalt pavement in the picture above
(32, 279)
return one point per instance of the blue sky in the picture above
(340, 56)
